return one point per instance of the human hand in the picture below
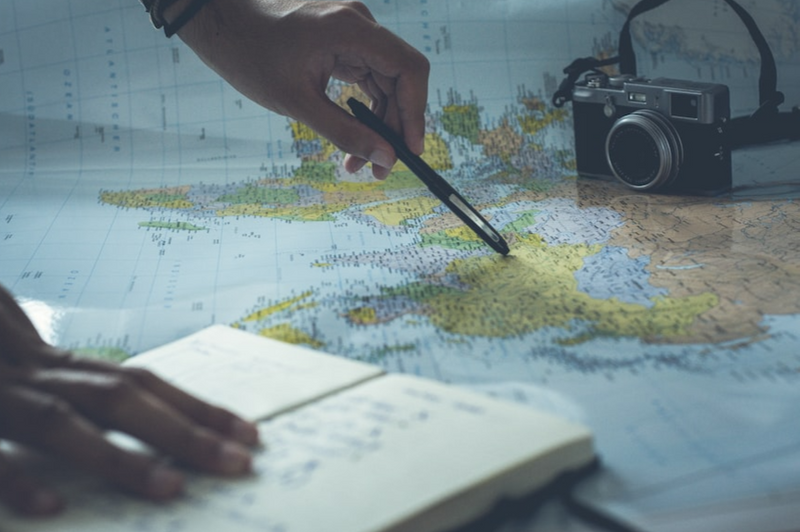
(282, 54)
(60, 404)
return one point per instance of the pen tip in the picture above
(503, 248)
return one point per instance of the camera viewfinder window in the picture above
(684, 105)
(638, 97)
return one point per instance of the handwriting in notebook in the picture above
(301, 444)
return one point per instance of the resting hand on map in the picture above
(282, 54)
(61, 405)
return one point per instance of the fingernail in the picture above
(379, 172)
(234, 458)
(45, 502)
(244, 432)
(382, 158)
(418, 147)
(354, 164)
(164, 483)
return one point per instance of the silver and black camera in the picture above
(653, 135)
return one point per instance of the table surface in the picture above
(142, 199)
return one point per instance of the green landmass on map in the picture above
(255, 195)
(109, 354)
(174, 198)
(462, 121)
(174, 226)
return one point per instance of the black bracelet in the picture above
(156, 10)
(172, 28)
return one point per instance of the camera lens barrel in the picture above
(644, 150)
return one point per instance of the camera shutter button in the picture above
(619, 81)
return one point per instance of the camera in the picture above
(660, 135)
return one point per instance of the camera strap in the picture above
(766, 124)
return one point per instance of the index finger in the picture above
(393, 59)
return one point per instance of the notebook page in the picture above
(255, 377)
(395, 454)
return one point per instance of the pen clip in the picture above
(473, 215)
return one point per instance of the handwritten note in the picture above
(255, 377)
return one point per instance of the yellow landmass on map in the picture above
(363, 316)
(286, 333)
(397, 212)
(289, 304)
(527, 239)
(536, 287)
(300, 131)
(463, 233)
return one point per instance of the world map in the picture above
(143, 199)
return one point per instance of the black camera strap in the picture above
(766, 124)
(768, 80)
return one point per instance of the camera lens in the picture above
(644, 150)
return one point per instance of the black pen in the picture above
(436, 183)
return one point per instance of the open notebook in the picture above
(348, 448)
